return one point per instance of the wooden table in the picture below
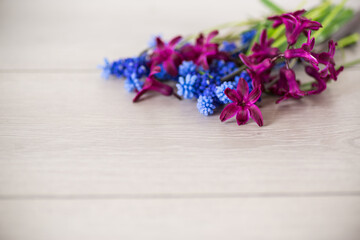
(79, 160)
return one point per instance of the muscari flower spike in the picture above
(133, 83)
(220, 91)
(247, 37)
(186, 86)
(228, 46)
(187, 67)
(106, 69)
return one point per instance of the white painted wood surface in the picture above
(79, 160)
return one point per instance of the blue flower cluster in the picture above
(228, 46)
(187, 67)
(195, 82)
(186, 86)
(133, 83)
(220, 91)
(192, 81)
(206, 105)
(133, 69)
(247, 37)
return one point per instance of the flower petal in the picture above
(263, 37)
(229, 111)
(211, 35)
(154, 70)
(243, 88)
(170, 67)
(232, 95)
(245, 60)
(242, 116)
(255, 114)
(255, 95)
(174, 41)
(140, 93)
(301, 53)
(161, 88)
(159, 43)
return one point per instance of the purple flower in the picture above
(151, 84)
(321, 80)
(263, 49)
(304, 52)
(167, 55)
(327, 58)
(243, 104)
(295, 24)
(288, 84)
(203, 52)
(258, 72)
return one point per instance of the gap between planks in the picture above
(181, 196)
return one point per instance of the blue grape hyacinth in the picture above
(133, 83)
(186, 86)
(187, 67)
(220, 91)
(206, 105)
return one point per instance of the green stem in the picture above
(233, 74)
(352, 63)
(330, 17)
(346, 41)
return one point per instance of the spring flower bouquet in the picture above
(233, 71)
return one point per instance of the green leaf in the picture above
(346, 41)
(329, 18)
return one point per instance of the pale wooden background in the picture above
(79, 160)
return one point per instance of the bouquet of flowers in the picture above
(234, 70)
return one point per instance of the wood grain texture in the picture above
(178, 219)
(78, 134)
(79, 160)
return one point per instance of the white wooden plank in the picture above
(77, 134)
(178, 219)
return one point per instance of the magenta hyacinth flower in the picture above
(151, 84)
(203, 52)
(321, 80)
(295, 24)
(243, 104)
(327, 58)
(263, 49)
(258, 72)
(304, 52)
(289, 84)
(167, 55)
